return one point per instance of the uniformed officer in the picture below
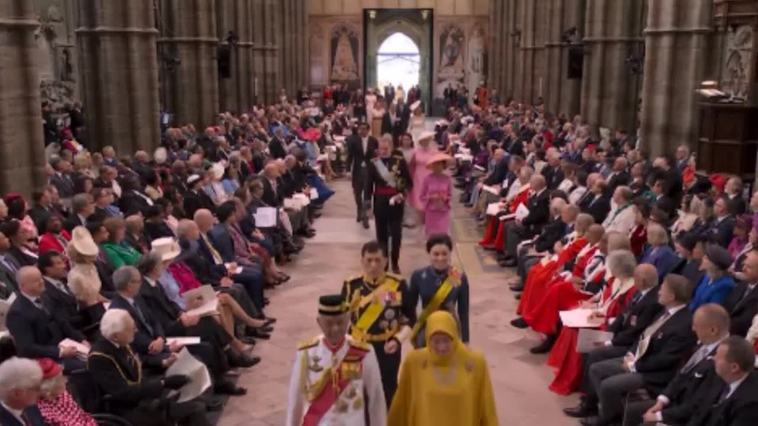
(381, 313)
(387, 182)
(335, 379)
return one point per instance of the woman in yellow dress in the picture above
(444, 383)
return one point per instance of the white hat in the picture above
(192, 179)
(426, 135)
(415, 105)
(441, 123)
(82, 242)
(167, 248)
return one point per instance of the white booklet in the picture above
(521, 212)
(590, 339)
(199, 378)
(491, 189)
(205, 300)
(493, 209)
(5, 305)
(184, 341)
(265, 217)
(579, 318)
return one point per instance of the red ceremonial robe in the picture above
(541, 274)
(493, 234)
(564, 357)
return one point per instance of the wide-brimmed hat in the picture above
(415, 105)
(167, 248)
(719, 256)
(82, 242)
(436, 158)
(426, 135)
(161, 155)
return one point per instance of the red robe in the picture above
(541, 274)
(564, 357)
(493, 234)
(561, 295)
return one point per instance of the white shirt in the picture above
(364, 144)
(150, 281)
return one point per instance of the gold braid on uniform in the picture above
(118, 367)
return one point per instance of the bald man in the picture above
(36, 330)
(626, 328)
(696, 386)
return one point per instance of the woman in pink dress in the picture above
(436, 192)
(419, 171)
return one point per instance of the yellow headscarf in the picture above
(443, 322)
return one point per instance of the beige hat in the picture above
(167, 248)
(82, 242)
(426, 135)
(436, 158)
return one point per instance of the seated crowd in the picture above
(117, 259)
(659, 261)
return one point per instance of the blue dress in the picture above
(711, 291)
(424, 284)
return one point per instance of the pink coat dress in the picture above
(419, 172)
(436, 210)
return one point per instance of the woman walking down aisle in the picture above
(424, 151)
(445, 383)
(436, 191)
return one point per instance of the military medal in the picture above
(358, 404)
(315, 366)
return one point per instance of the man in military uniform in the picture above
(387, 181)
(381, 312)
(335, 379)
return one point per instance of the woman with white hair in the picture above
(20, 380)
(57, 406)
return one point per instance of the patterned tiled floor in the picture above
(520, 379)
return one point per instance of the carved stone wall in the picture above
(56, 51)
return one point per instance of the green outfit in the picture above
(121, 254)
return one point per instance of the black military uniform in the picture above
(380, 311)
(388, 177)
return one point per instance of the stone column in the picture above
(610, 91)
(258, 25)
(237, 91)
(119, 70)
(511, 42)
(22, 153)
(561, 94)
(189, 68)
(272, 39)
(676, 55)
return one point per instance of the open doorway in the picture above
(398, 50)
(398, 62)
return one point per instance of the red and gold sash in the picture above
(339, 376)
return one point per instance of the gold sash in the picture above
(439, 296)
(374, 309)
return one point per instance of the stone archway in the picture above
(416, 24)
(398, 61)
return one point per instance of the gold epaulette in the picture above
(308, 344)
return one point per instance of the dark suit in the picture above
(39, 215)
(250, 277)
(551, 233)
(721, 231)
(740, 408)
(37, 332)
(62, 304)
(131, 202)
(531, 225)
(32, 414)
(691, 394)
(618, 179)
(276, 148)
(72, 222)
(222, 240)
(357, 163)
(196, 200)
(553, 176)
(64, 184)
(117, 373)
(596, 206)
(626, 329)
(666, 350)
(742, 305)
(21, 258)
(271, 195)
(148, 328)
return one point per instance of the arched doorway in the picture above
(389, 35)
(398, 62)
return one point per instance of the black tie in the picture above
(142, 318)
